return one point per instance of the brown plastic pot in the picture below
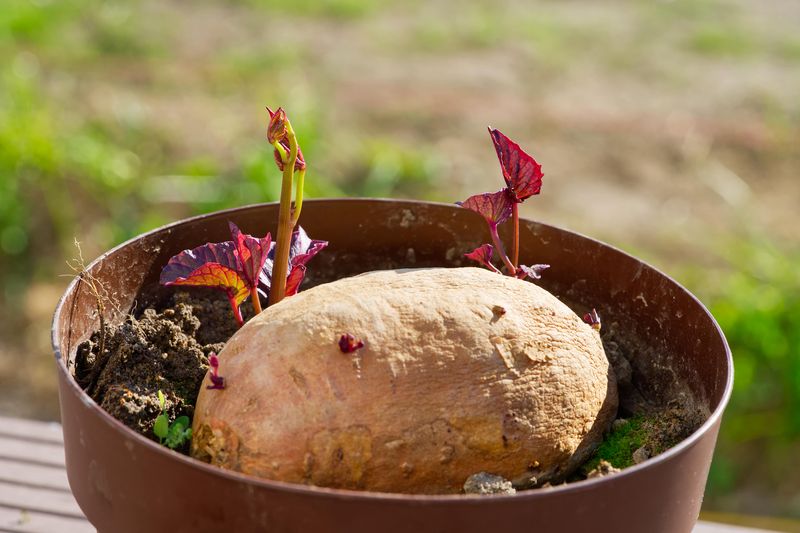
(127, 483)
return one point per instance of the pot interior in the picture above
(674, 352)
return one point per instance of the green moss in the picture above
(619, 445)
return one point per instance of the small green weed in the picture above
(172, 435)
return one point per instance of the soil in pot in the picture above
(165, 347)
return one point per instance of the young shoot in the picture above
(289, 159)
(523, 178)
(175, 434)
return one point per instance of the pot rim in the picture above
(349, 494)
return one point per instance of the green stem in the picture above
(283, 236)
(256, 301)
(298, 196)
(281, 151)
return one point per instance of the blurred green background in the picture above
(668, 128)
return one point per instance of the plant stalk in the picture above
(515, 245)
(256, 301)
(512, 270)
(283, 236)
(298, 196)
(237, 313)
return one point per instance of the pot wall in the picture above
(124, 482)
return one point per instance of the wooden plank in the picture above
(31, 430)
(709, 527)
(756, 522)
(18, 520)
(36, 452)
(34, 475)
(48, 501)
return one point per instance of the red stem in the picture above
(512, 270)
(515, 247)
(237, 313)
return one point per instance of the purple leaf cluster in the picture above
(523, 179)
(301, 250)
(240, 267)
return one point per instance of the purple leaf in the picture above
(211, 265)
(231, 266)
(251, 253)
(593, 319)
(533, 271)
(483, 255)
(220, 277)
(294, 279)
(495, 207)
(349, 344)
(186, 262)
(522, 173)
(301, 250)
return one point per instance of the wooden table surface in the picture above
(35, 494)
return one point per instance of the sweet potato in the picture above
(463, 371)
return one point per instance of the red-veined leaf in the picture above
(522, 173)
(483, 255)
(301, 250)
(251, 253)
(294, 279)
(184, 263)
(495, 207)
(216, 276)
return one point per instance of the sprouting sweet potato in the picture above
(461, 371)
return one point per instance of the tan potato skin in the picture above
(463, 371)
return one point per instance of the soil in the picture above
(164, 350)
(166, 347)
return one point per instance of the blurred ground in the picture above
(668, 128)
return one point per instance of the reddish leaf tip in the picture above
(277, 129)
(217, 381)
(521, 172)
(593, 319)
(348, 343)
(533, 271)
(483, 254)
